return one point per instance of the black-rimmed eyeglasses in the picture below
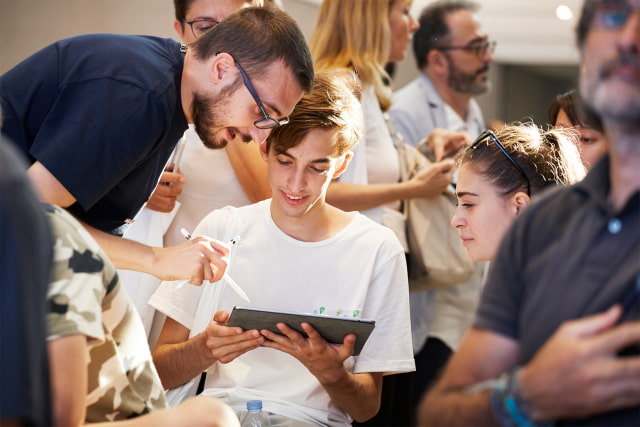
(268, 121)
(489, 134)
(201, 26)
(479, 49)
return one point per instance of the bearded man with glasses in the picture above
(187, 190)
(99, 116)
(453, 54)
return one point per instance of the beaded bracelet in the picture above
(508, 406)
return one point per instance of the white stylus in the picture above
(226, 276)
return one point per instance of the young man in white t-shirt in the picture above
(295, 252)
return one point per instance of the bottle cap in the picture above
(254, 404)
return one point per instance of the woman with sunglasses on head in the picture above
(500, 173)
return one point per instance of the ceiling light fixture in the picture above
(564, 13)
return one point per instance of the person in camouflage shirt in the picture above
(96, 338)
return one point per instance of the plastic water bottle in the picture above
(255, 417)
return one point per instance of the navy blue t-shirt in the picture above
(102, 113)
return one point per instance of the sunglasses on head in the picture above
(491, 136)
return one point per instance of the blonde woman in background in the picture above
(360, 37)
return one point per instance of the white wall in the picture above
(28, 25)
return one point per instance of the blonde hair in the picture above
(547, 157)
(355, 34)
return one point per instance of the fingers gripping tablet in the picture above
(332, 329)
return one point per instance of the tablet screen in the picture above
(332, 329)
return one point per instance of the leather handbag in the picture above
(436, 256)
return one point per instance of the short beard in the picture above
(467, 83)
(204, 114)
(602, 102)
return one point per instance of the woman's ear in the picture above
(343, 166)
(520, 201)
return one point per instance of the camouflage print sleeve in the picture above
(85, 297)
(77, 283)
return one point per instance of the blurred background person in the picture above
(25, 266)
(565, 111)
(101, 366)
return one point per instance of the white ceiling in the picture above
(528, 31)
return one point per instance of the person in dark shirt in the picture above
(99, 115)
(551, 343)
(26, 256)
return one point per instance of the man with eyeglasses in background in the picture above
(556, 340)
(453, 54)
(99, 115)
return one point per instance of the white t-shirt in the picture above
(375, 159)
(362, 268)
(211, 184)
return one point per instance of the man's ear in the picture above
(343, 166)
(437, 61)
(520, 201)
(222, 67)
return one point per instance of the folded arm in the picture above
(482, 355)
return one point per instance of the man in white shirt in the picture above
(296, 253)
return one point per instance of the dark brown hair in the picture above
(256, 37)
(579, 115)
(434, 30)
(181, 7)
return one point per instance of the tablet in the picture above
(332, 329)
